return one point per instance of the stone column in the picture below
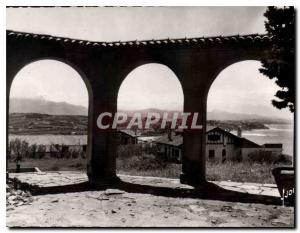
(195, 80)
(193, 154)
(101, 167)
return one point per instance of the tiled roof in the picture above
(177, 140)
(200, 41)
(245, 143)
(272, 145)
(129, 132)
(241, 142)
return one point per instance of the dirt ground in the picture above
(118, 207)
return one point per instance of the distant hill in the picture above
(22, 105)
(217, 115)
(225, 116)
(144, 112)
(42, 106)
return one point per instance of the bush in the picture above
(32, 151)
(262, 157)
(285, 159)
(75, 154)
(54, 167)
(83, 154)
(41, 150)
(18, 147)
(130, 150)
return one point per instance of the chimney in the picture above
(239, 132)
(170, 135)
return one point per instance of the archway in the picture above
(48, 117)
(157, 150)
(251, 130)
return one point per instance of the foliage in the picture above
(32, 149)
(41, 150)
(280, 25)
(18, 147)
(268, 157)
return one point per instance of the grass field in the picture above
(148, 165)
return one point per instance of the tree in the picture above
(19, 148)
(280, 65)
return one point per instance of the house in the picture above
(127, 136)
(53, 145)
(147, 140)
(273, 148)
(170, 146)
(221, 145)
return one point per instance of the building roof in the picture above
(245, 143)
(272, 145)
(129, 132)
(200, 41)
(177, 140)
(239, 141)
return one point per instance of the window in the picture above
(211, 154)
(214, 137)
(223, 155)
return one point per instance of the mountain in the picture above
(216, 115)
(40, 105)
(225, 116)
(144, 112)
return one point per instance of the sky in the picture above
(249, 92)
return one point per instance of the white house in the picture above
(221, 145)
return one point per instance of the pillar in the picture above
(101, 163)
(196, 82)
(194, 150)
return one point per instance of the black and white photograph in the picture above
(150, 116)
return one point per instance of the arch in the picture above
(161, 90)
(158, 67)
(64, 61)
(196, 63)
(19, 67)
(245, 74)
(222, 67)
(143, 61)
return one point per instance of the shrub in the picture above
(83, 154)
(41, 150)
(130, 150)
(54, 167)
(32, 151)
(263, 157)
(75, 154)
(18, 147)
(285, 159)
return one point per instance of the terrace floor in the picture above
(65, 199)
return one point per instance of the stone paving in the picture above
(145, 202)
(52, 179)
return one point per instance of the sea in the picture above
(277, 133)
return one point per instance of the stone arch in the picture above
(18, 67)
(139, 62)
(143, 64)
(195, 61)
(256, 53)
(224, 68)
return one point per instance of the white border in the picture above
(3, 5)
